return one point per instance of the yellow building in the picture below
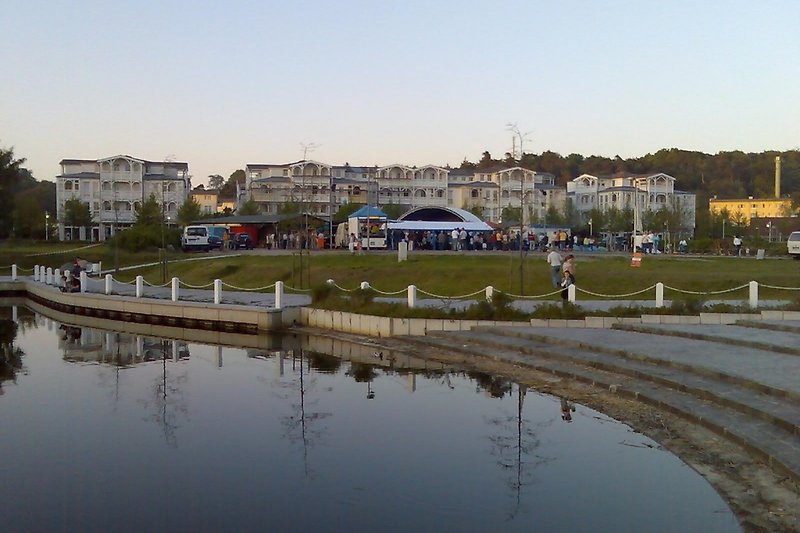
(752, 207)
(207, 198)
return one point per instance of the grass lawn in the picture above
(440, 274)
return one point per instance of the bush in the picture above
(140, 238)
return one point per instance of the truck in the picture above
(793, 244)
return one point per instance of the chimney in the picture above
(777, 176)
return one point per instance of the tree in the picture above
(9, 179)
(393, 211)
(229, 189)
(344, 212)
(250, 207)
(149, 213)
(32, 201)
(76, 214)
(289, 208)
(189, 211)
(215, 181)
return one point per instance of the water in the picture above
(103, 430)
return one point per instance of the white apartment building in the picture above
(638, 192)
(321, 188)
(114, 187)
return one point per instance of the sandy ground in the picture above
(761, 499)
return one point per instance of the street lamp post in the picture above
(46, 226)
(591, 230)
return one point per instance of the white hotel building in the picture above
(114, 187)
(320, 188)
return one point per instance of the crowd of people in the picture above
(459, 239)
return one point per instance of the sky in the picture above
(223, 84)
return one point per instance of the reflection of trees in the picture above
(496, 386)
(323, 363)
(514, 444)
(302, 425)
(168, 403)
(10, 355)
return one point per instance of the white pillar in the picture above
(412, 296)
(49, 276)
(13, 272)
(754, 294)
(57, 278)
(14, 313)
(659, 294)
(35, 272)
(175, 289)
(84, 278)
(278, 295)
(489, 293)
(571, 293)
(139, 286)
(364, 285)
(217, 291)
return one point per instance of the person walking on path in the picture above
(569, 266)
(737, 244)
(554, 260)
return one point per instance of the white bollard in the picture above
(364, 285)
(659, 294)
(489, 293)
(754, 294)
(402, 252)
(176, 283)
(330, 282)
(109, 283)
(278, 295)
(571, 293)
(217, 291)
(84, 279)
(57, 278)
(35, 272)
(49, 276)
(139, 286)
(13, 272)
(412, 296)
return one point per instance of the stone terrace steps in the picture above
(765, 436)
(777, 373)
(780, 411)
(780, 341)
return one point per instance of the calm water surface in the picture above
(107, 431)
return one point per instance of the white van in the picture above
(195, 238)
(793, 244)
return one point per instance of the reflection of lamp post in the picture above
(591, 230)
(769, 231)
(46, 226)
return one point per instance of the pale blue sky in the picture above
(221, 84)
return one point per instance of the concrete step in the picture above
(776, 446)
(780, 411)
(791, 326)
(770, 340)
(777, 373)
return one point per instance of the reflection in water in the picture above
(10, 355)
(430, 453)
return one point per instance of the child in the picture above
(567, 280)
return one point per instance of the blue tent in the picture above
(369, 212)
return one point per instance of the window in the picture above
(67, 185)
(76, 185)
(106, 186)
(106, 206)
(96, 206)
(356, 191)
(474, 193)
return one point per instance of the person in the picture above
(566, 410)
(76, 275)
(566, 281)
(569, 266)
(737, 243)
(554, 260)
(683, 246)
(352, 243)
